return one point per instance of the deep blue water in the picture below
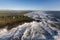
(55, 14)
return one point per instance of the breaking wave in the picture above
(42, 30)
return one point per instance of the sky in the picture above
(30, 4)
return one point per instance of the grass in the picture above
(14, 20)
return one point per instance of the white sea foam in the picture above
(32, 31)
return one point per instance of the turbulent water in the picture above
(42, 30)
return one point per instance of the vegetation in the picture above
(13, 20)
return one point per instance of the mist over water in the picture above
(42, 30)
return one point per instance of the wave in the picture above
(42, 30)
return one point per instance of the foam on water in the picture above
(42, 30)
